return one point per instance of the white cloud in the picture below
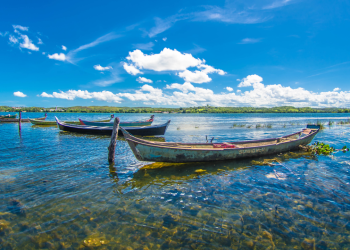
(229, 89)
(249, 40)
(131, 69)
(19, 27)
(277, 4)
(84, 94)
(19, 94)
(64, 47)
(195, 77)
(171, 60)
(44, 53)
(143, 79)
(3, 34)
(59, 57)
(200, 76)
(71, 56)
(164, 39)
(100, 68)
(188, 95)
(40, 41)
(13, 39)
(167, 59)
(27, 43)
(336, 89)
(250, 81)
(44, 94)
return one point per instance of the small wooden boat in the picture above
(8, 116)
(54, 123)
(202, 152)
(122, 124)
(22, 120)
(143, 130)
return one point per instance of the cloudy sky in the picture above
(175, 53)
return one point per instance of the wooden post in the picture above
(20, 120)
(113, 143)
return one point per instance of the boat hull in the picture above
(8, 116)
(185, 153)
(22, 120)
(142, 131)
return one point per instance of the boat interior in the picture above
(239, 144)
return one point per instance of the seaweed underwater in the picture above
(295, 200)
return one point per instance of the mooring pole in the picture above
(113, 143)
(19, 121)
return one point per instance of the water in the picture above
(57, 190)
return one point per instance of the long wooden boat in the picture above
(8, 116)
(54, 123)
(122, 124)
(143, 130)
(202, 152)
(22, 120)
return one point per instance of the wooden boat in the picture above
(202, 152)
(53, 123)
(143, 130)
(122, 124)
(8, 116)
(22, 120)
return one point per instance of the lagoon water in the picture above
(57, 190)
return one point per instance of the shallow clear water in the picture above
(57, 190)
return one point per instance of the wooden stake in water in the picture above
(20, 120)
(113, 143)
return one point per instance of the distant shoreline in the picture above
(187, 110)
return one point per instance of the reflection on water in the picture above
(57, 191)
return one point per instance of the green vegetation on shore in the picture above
(203, 109)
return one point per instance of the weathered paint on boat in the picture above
(22, 120)
(53, 123)
(143, 130)
(191, 152)
(122, 124)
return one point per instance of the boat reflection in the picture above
(164, 174)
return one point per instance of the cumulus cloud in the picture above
(250, 81)
(64, 47)
(167, 59)
(131, 69)
(40, 41)
(164, 39)
(188, 95)
(336, 89)
(143, 79)
(44, 94)
(84, 94)
(229, 89)
(59, 57)
(100, 68)
(171, 60)
(19, 94)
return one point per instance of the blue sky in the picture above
(175, 53)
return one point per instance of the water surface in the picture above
(57, 190)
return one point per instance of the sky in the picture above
(132, 53)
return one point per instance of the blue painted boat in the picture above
(122, 124)
(201, 152)
(95, 130)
